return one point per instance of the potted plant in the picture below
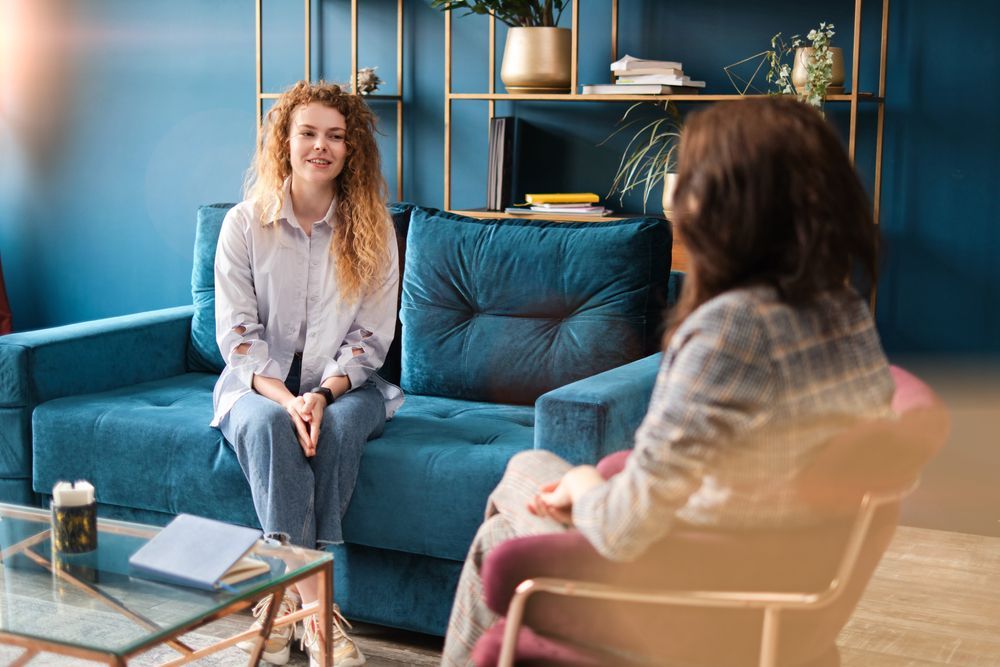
(650, 158)
(537, 54)
(818, 69)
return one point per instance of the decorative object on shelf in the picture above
(819, 69)
(746, 85)
(537, 55)
(635, 76)
(367, 81)
(650, 156)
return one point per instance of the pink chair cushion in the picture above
(534, 649)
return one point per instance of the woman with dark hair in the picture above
(768, 354)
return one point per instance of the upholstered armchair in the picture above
(703, 597)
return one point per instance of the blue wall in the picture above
(153, 114)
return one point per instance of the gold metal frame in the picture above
(397, 97)
(855, 97)
(770, 603)
(322, 569)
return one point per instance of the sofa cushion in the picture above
(203, 352)
(423, 484)
(505, 310)
(147, 446)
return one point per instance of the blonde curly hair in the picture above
(361, 233)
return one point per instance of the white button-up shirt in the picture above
(270, 280)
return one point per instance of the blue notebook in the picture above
(199, 552)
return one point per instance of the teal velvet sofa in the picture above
(514, 334)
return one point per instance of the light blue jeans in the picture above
(298, 498)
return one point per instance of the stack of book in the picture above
(500, 160)
(563, 203)
(635, 76)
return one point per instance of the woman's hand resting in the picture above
(556, 499)
(302, 415)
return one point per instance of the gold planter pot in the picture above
(669, 184)
(800, 72)
(537, 60)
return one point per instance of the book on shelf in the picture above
(199, 552)
(662, 79)
(573, 210)
(599, 212)
(629, 63)
(669, 71)
(563, 198)
(638, 89)
(573, 205)
(500, 158)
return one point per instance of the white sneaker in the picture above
(345, 652)
(278, 646)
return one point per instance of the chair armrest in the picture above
(587, 419)
(38, 366)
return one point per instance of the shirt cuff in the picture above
(588, 518)
(356, 372)
(255, 362)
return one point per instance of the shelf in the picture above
(678, 253)
(391, 98)
(554, 217)
(568, 97)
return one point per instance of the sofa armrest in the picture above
(38, 366)
(590, 418)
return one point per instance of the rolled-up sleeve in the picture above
(370, 335)
(236, 315)
(717, 382)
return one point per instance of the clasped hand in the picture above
(306, 412)
(556, 499)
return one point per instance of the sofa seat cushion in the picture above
(423, 484)
(147, 446)
(506, 310)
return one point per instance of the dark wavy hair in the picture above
(766, 195)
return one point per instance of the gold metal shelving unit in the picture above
(397, 97)
(854, 98)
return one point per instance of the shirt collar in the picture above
(288, 214)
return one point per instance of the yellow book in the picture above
(563, 198)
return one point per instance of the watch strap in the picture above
(324, 392)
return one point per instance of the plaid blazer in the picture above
(749, 389)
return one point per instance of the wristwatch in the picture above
(324, 392)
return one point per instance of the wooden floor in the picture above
(934, 600)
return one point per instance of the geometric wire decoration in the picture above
(747, 83)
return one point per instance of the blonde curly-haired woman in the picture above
(306, 280)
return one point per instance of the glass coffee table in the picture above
(88, 605)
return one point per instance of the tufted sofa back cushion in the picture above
(505, 310)
(203, 352)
